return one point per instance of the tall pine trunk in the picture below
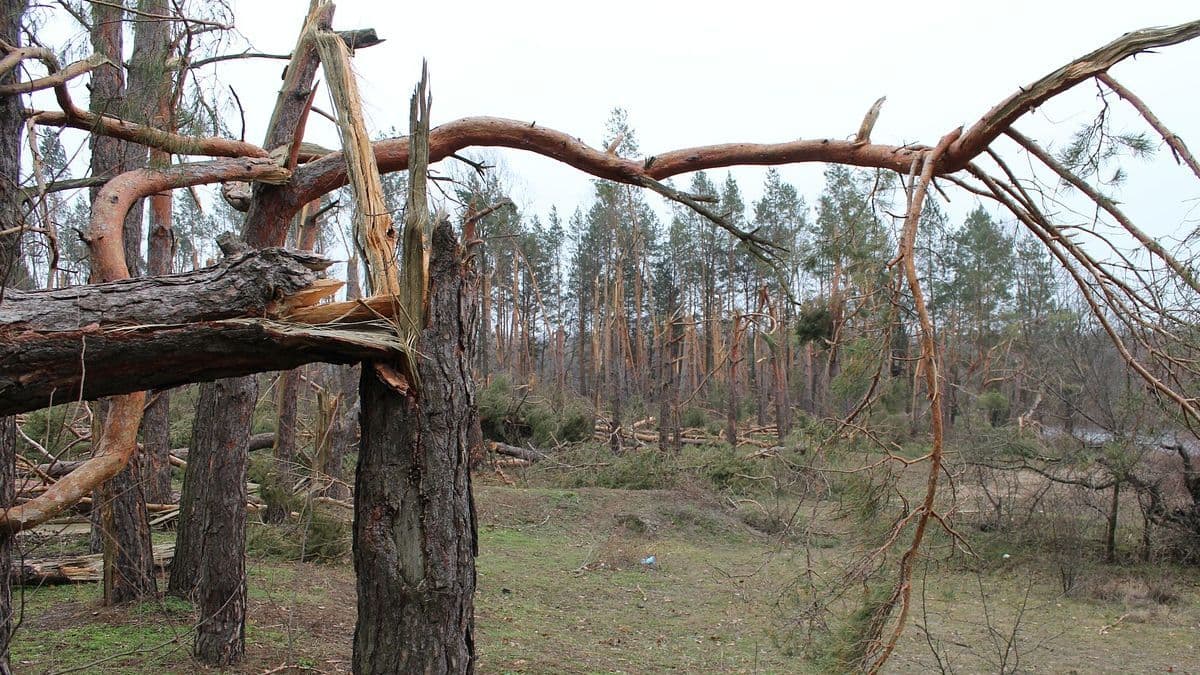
(120, 512)
(414, 516)
(209, 563)
(11, 12)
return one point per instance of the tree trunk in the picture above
(12, 272)
(1110, 536)
(668, 422)
(414, 517)
(221, 507)
(209, 564)
(8, 458)
(755, 375)
(732, 403)
(343, 430)
(283, 474)
(125, 531)
(156, 449)
(156, 423)
(129, 572)
(119, 334)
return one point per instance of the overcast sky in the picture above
(698, 73)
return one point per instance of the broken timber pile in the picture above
(77, 569)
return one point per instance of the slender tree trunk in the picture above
(668, 423)
(343, 431)
(121, 512)
(756, 383)
(156, 424)
(283, 475)
(485, 326)
(129, 573)
(12, 273)
(414, 518)
(614, 381)
(156, 448)
(210, 548)
(731, 411)
(1110, 536)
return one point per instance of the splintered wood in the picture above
(373, 228)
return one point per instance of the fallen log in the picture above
(261, 441)
(38, 368)
(602, 435)
(157, 332)
(526, 454)
(74, 569)
(253, 284)
(59, 469)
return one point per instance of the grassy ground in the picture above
(563, 589)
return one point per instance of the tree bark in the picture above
(156, 448)
(8, 458)
(287, 390)
(129, 572)
(209, 562)
(12, 273)
(414, 519)
(211, 545)
(88, 340)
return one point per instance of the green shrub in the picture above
(517, 415)
(321, 533)
(847, 647)
(814, 323)
(693, 418)
(994, 406)
(635, 469)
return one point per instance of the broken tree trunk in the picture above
(58, 345)
(414, 518)
(78, 569)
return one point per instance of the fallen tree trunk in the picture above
(58, 469)
(114, 338)
(514, 451)
(77, 569)
(258, 283)
(40, 368)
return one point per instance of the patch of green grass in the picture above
(110, 647)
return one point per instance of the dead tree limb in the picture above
(1178, 148)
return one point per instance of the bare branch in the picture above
(1178, 147)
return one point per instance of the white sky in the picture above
(698, 73)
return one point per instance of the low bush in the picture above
(517, 415)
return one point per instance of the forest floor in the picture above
(563, 589)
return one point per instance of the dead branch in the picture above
(1178, 148)
(929, 367)
(56, 78)
(1148, 242)
(1004, 114)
